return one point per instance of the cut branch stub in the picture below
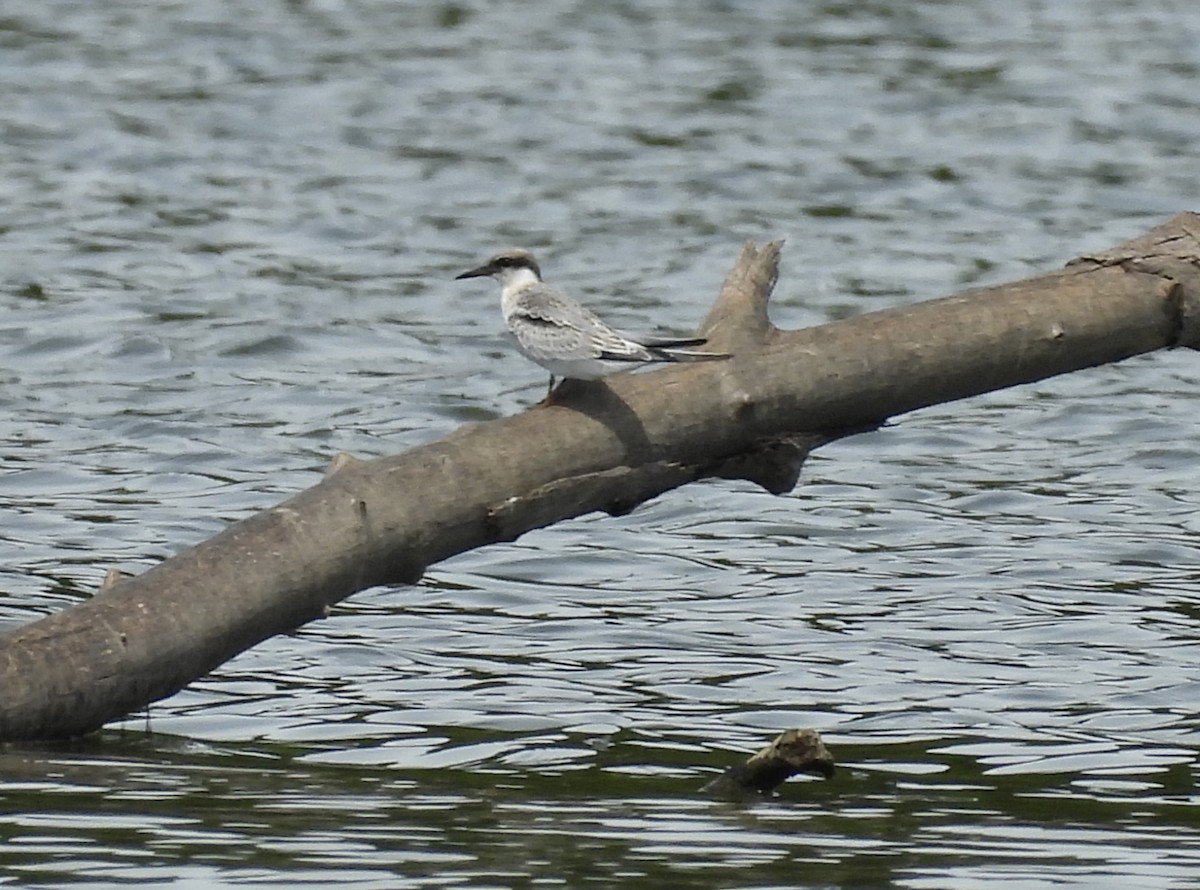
(738, 320)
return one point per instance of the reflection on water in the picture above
(225, 257)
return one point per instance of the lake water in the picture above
(226, 250)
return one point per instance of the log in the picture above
(602, 445)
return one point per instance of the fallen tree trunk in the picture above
(607, 445)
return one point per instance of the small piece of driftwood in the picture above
(791, 753)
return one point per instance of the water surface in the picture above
(226, 251)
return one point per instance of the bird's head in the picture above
(510, 267)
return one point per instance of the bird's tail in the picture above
(651, 343)
(678, 351)
(689, 355)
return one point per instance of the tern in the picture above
(565, 338)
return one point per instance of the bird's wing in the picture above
(549, 319)
(549, 325)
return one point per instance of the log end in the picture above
(1168, 252)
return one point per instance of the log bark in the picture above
(604, 445)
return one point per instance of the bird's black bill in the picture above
(475, 273)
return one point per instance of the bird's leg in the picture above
(549, 400)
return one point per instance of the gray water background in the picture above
(227, 233)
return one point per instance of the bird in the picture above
(566, 338)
